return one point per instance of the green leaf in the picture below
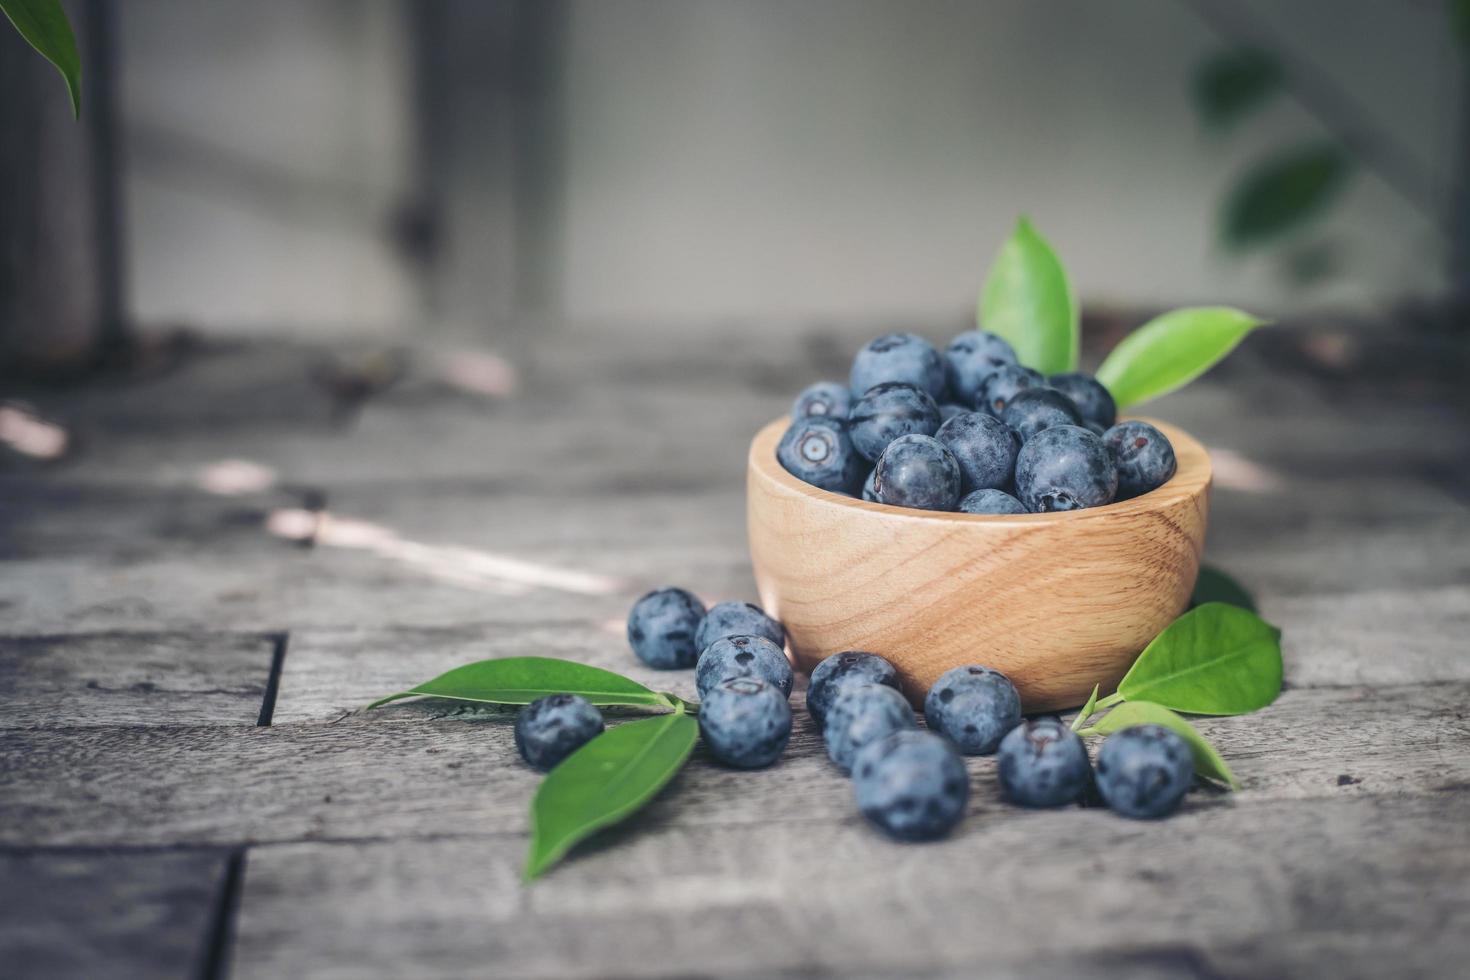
(1172, 350)
(1459, 11)
(605, 781)
(1282, 192)
(43, 23)
(1207, 761)
(1232, 84)
(1087, 709)
(1216, 659)
(521, 680)
(1214, 585)
(1027, 300)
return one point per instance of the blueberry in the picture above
(974, 707)
(745, 722)
(984, 446)
(949, 410)
(1064, 468)
(743, 656)
(1143, 455)
(863, 713)
(911, 785)
(737, 619)
(551, 728)
(901, 357)
(998, 389)
(917, 471)
(888, 411)
(990, 502)
(1093, 400)
(970, 359)
(1093, 427)
(1031, 410)
(868, 494)
(823, 398)
(840, 670)
(662, 626)
(818, 450)
(1144, 771)
(1042, 763)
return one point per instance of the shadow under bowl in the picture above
(1057, 602)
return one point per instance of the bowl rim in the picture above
(1192, 477)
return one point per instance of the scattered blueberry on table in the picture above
(551, 728)
(840, 670)
(911, 784)
(898, 357)
(736, 619)
(818, 450)
(974, 707)
(1143, 456)
(860, 714)
(743, 656)
(1144, 771)
(1041, 763)
(887, 411)
(662, 627)
(745, 722)
(917, 471)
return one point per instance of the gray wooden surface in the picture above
(185, 789)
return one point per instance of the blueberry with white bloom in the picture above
(973, 707)
(818, 450)
(917, 471)
(970, 359)
(868, 493)
(662, 627)
(737, 619)
(1033, 409)
(902, 357)
(863, 713)
(990, 502)
(1093, 400)
(551, 728)
(1042, 763)
(1065, 468)
(1144, 771)
(1143, 455)
(841, 670)
(743, 656)
(823, 398)
(948, 410)
(1003, 384)
(745, 722)
(984, 446)
(888, 411)
(912, 785)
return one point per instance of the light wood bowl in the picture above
(1057, 602)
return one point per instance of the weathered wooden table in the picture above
(194, 603)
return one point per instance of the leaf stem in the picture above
(1112, 699)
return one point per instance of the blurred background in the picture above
(478, 168)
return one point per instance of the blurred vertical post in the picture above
(61, 261)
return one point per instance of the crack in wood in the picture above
(273, 683)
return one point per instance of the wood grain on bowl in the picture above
(1058, 602)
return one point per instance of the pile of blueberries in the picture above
(969, 430)
(911, 783)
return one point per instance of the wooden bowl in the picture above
(1058, 602)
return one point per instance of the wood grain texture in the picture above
(133, 679)
(437, 768)
(1058, 602)
(85, 915)
(1284, 881)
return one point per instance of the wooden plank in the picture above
(1270, 892)
(83, 915)
(436, 768)
(109, 679)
